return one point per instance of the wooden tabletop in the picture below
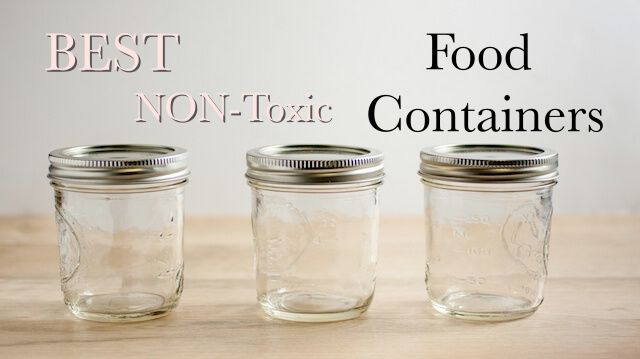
(591, 307)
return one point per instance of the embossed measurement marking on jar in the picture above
(471, 280)
(459, 232)
(479, 251)
(478, 219)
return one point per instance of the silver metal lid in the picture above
(307, 165)
(143, 165)
(488, 164)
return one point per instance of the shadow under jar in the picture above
(119, 212)
(315, 228)
(488, 215)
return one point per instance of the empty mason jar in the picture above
(315, 228)
(488, 212)
(119, 216)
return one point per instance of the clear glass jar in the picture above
(315, 226)
(119, 212)
(488, 213)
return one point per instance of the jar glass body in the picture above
(120, 252)
(315, 252)
(487, 249)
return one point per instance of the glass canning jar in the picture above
(119, 212)
(488, 215)
(315, 228)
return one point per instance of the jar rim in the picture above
(281, 166)
(118, 165)
(488, 163)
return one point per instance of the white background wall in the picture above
(583, 54)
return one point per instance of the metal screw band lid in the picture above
(283, 165)
(118, 165)
(488, 163)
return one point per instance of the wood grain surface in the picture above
(591, 307)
